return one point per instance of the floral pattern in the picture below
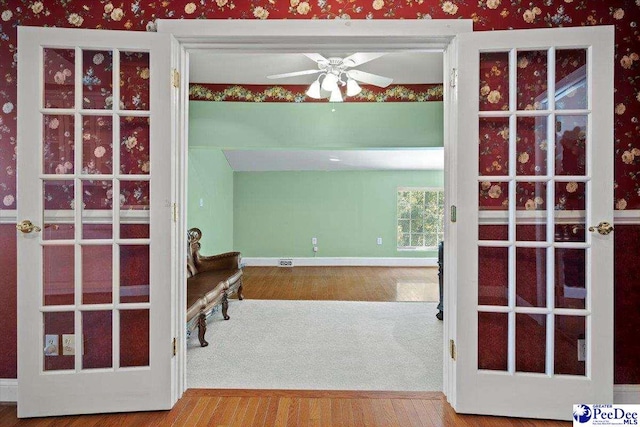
(141, 15)
(296, 93)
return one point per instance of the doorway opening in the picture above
(336, 210)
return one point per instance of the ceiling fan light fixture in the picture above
(336, 95)
(330, 82)
(353, 88)
(314, 90)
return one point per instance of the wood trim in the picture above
(331, 394)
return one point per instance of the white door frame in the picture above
(241, 36)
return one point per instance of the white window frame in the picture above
(440, 231)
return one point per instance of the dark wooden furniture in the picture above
(211, 280)
(440, 314)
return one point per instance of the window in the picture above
(420, 218)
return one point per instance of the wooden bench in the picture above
(211, 280)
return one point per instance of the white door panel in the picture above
(535, 170)
(94, 279)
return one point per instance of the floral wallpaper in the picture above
(296, 93)
(140, 15)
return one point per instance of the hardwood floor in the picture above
(342, 283)
(265, 408)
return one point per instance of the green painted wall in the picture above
(211, 179)
(314, 125)
(277, 213)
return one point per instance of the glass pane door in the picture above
(533, 281)
(95, 292)
(95, 123)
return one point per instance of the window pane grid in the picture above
(74, 109)
(420, 216)
(564, 186)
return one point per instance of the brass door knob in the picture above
(27, 227)
(603, 228)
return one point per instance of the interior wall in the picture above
(277, 213)
(315, 125)
(211, 181)
(140, 15)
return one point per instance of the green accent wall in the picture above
(313, 125)
(277, 213)
(211, 179)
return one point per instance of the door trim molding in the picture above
(8, 389)
(243, 36)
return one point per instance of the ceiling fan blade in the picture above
(316, 57)
(295, 73)
(360, 58)
(372, 79)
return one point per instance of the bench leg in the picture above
(225, 306)
(202, 329)
(240, 296)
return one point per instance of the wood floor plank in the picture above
(186, 412)
(249, 415)
(272, 412)
(282, 414)
(197, 411)
(314, 412)
(304, 414)
(261, 411)
(294, 412)
(325, 412)
(211, 403)
(354, 284)
(426, 418)
(257, 409)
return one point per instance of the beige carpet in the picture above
(320, 345)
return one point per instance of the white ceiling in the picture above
(319, 160)
(236, 68)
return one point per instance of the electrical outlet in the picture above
(314, 240)
(201, 202)
(315, 249)
(68, 344)
(379, 241)
(582, 350)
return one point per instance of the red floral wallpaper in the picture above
(296, 93)
(140, 15)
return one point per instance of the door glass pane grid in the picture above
(78, 313)
(518, 312)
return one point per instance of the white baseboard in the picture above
(626, 393)
(343, 261)
(8, 390)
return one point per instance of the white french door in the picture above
(94, 211)
(534, 309)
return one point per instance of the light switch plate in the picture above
(51, 345)
(68, 344)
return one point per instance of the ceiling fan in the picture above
(335, 72)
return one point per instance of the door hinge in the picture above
(175, 78)
(453, 79)
(175, 346)
(454, 213)
(452, 349)
(175, 212)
